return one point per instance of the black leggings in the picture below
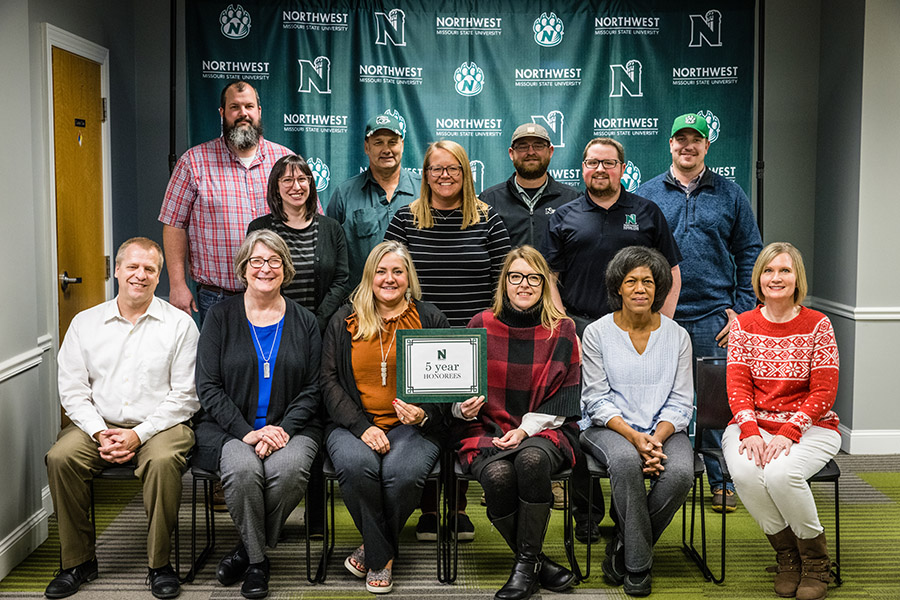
(525, 475)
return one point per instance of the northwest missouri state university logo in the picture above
(468, 127)
(234, 69)
(553, 123)
(321, 173)
(539, 77)
(631, 223)
(390, 26)
(393, 74)
(477, 174)
(469, 79)
(316, 74)
(622, 126)
(626, 79)
(452, 25)
(631, 179)
(630, 25)
(396, 114)
(717, 75)
(712, 121)
(315, 123)
(234, 22)
(548, 30)
(706, 28)
(314, 21)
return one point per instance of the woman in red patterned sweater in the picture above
(782, 381)
(513, 442)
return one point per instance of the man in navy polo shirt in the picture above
(584, 235)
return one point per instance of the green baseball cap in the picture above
(386, 122)
(691, 121)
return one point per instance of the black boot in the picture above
(530, 529)
(553, 576)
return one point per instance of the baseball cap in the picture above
(530, 130)
(691, 121)
(384, 122)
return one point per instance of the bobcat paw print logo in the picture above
(631, 177)
(396, 114)
(713, 122)
(548, 30)
(234, 22)
(469, 79)
(321, 173)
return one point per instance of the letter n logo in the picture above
(706, 28)
(315, 74)
(442, 354)
(390, 26)
(553, 123)
(626, 78)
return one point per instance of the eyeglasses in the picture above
(452, 170)
(533, 279)
(289, 182)
(257, 262)
(536, 146)
(608, 163)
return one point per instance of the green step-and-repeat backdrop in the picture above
(473, 71)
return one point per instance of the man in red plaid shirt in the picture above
(216, 189)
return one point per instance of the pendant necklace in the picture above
(384, 357)
(266, 371)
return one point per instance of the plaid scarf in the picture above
(530, 369)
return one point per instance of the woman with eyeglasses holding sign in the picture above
(458, 244)
(515, 441)
(258, 384)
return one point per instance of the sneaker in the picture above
(559, 495)
(638, 584)
(613, 565)
(465, 529)
(724, 499)
(426, 528)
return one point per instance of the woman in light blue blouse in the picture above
(637, 402)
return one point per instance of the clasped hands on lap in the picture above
(267, 440)
(762, 453)
(117, 445)
(648, 445)
(510, 440)
(375, 437)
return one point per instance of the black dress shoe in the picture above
(233, 566)
(555, 577)
(256, 581)
(164, 582)
(67, 581)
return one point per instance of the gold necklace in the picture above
(384, 357)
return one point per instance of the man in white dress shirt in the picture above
(126, 380)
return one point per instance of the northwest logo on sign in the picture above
(234, 22)
(553, 123)
(235, 69)
(477, 174)
(548, 30)
(631, 179)
(396, 114)
(315, 74)
(468, 25)
(321, 173)
(390, 26)
(619, 126)
(474, 127)
(630, 25)
(626, 79)
(712, 121)
(469, 79)
(706, 28)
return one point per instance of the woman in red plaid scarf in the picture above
(513, 442)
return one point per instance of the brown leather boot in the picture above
(816, 568)
(787, 571)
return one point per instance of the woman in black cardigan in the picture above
(317, 243)
(382, 448)
(257, 379)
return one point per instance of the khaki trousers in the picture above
(74, 460)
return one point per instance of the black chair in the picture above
(207, 479)
(713, 412)
(125, 472)
(331, 478)
(597, 470)
(451, 554)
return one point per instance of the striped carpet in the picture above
(870, 528)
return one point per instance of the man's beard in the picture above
(243, 138)
(526, 171)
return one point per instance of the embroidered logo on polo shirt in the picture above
(631, 223)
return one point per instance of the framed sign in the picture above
(441, 365)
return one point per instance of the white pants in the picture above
(777, 495)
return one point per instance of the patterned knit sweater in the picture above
(782, 377)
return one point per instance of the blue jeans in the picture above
(206, 300)
(382, 490)
(703, 334)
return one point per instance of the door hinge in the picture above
(108, 261)
(103, 120)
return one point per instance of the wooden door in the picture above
(77, 115)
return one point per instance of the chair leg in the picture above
(197, 562)
(328, 531)
(837, 534)
(569, 533)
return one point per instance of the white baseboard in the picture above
(23, 540)
(869, 441)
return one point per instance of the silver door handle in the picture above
(65, 280)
